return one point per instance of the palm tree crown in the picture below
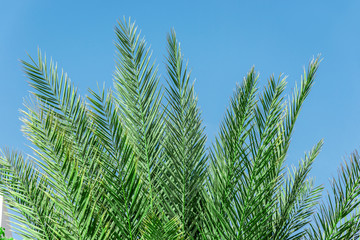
(132, 162)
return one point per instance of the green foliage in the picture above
(2, 234)
(131, 163)
(156, 227)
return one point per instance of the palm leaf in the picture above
(247, 159)
(297, 200)
(185, 155)
(157, 228)
(229, 148)
(139, 101)
(127, 203)
(66, 152)
(25, 193)
(338, 217)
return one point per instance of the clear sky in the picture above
(221, 40)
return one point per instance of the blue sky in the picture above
(221, 40)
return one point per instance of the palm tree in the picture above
(132, 162)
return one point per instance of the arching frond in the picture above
(185, 155)
(338, 217)
(125, 199)
(139, 101)
(297, 200)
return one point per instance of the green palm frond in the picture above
(155, 227)
(185, 154)
(55, 96)
(139, 101)
(246, 177)
(55, 92)
(109, 130)
(230, 147)
(293, 108)
(297, 100)
(247, 159)
(66, 155)
(297, 200)
(127, 204)
(23, 189)
(66, 183)
(339, 217)
(261, 179)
